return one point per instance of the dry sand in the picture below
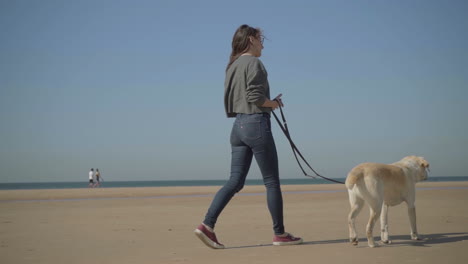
(155, 225)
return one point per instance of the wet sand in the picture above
(155, 225)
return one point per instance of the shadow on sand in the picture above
(428, 240)
(398, 240)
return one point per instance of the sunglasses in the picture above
(261, 38)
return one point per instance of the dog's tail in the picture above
(353, 176)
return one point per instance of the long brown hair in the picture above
(241, 41)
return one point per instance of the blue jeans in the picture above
(251, 136)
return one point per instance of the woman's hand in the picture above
(275, 103)
(278, 100)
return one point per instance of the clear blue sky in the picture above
(135, 88)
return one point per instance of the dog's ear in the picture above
(424, 163)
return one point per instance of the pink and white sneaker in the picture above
(208, 237)
(286, 239)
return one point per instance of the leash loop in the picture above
(296, 152)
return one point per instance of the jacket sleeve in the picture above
(256, 82)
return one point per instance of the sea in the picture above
(123, 184)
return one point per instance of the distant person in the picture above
(91, 178)
(98, 178)
(247, 98)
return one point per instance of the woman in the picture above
(98, 178)
(246, 97)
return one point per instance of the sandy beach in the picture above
(155, 225)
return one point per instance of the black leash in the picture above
(295, 150)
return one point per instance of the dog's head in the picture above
(420, 165)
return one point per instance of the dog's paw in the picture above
(387, 242)
(415, 236)
(354, 241)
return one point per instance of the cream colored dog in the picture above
(381, 186)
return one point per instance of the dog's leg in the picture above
(356, 206)
(384, 225)
(412, 218)
(375, 209)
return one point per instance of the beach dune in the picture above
(155, 225)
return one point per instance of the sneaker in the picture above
(285, 240)
(208, 237)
